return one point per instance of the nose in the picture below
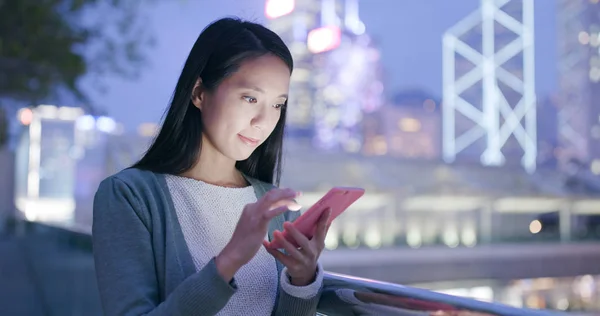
(260, 119)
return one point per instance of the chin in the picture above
(241, 155)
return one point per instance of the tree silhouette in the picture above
(48, 46)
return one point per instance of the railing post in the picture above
(565, 221)
(485, 223)
(390, 224)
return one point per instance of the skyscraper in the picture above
(579, 80)
(337, 71)
(60, 160)
(408, 126)
(292, 20)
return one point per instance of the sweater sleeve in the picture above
(307, 291)
(124, 261)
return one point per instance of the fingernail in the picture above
(294, 207)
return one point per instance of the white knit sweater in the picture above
(208, 215)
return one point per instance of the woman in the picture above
(187, 229)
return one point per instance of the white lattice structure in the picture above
(497, 63)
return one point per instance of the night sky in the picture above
(408, 32)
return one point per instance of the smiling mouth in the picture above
(249, 141)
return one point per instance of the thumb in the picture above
(323, 225)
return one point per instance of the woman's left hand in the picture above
(301, 262)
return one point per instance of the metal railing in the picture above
(347, 295)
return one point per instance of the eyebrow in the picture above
(257, 89)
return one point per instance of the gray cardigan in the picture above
(143, 265)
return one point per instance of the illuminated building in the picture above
(408, 126)
(126, 150)
(52, 176)
(579, 80)
(547, 132)
(347, 86)
(489, 85)
(337, 75)
(347, 76)
(292, 20)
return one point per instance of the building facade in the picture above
(579, 80)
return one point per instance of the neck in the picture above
(214, 168)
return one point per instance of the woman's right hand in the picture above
(252, 228)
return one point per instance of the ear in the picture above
(198, 94)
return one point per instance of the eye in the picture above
(279, 106)
(250, 99)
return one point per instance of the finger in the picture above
(281, 257)
(270, 245)
(300, 239)
(274, 196)
(290, 203)
(322, 226)
(270, 214)
(285, 244)
(267, 244)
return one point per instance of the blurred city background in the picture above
(474, 125)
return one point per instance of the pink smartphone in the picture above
(338, 199)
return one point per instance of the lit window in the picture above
(148, 129)
(409, 125)
(595, 74)
(25, 116)
(584, 38)
(535, 226)
(595, 167)
(278, 8)
(380, 145)
(324, 39)
(594, 41)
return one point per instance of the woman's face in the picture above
(240, 114)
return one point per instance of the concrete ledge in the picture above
(70, 237)
(409, 266)
(503, 262)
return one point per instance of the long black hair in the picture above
(218, 52)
